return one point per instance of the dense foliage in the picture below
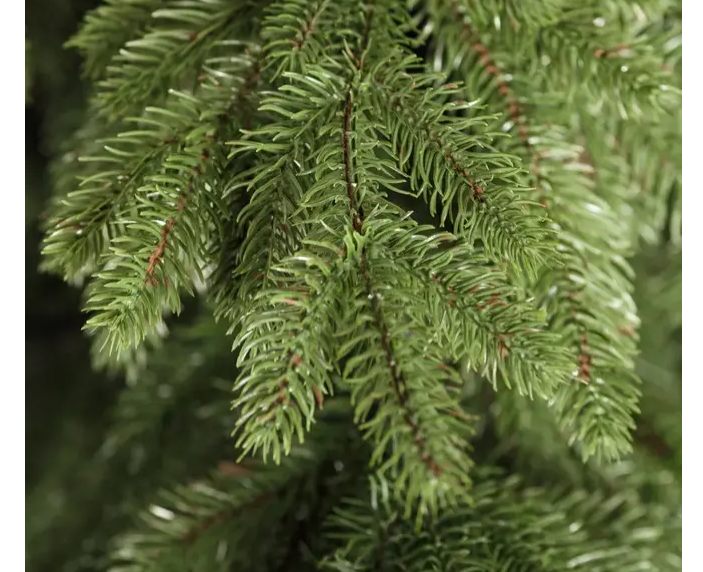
(434, 233)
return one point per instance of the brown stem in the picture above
(585, 357)
(159, 252)
(400, 387)
(250, 82)
(514, 108)
(399, 383)
(616, 50)
(477, 192)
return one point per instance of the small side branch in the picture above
(514, 108)
(399, 383)
(159, 252)
(477, 192)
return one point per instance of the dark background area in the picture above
(55, 351)
(65, 401)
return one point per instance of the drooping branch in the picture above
(399, 383)
(514, 109)
(159, 252)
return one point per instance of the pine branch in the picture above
(143, 277)
(492, 211)
(426, 450)
(184, 529)
(597, 277)
(108, 28)
(511, 526)
(86, 218)
(612, 401)
(285, 359)
(284, 310)
(180, 40)
(291, 46)
(518, 15)
(367, 552)
(494, 331)
(570, 41)
(557, 165)
(475, 314)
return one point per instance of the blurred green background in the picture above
(66, 403)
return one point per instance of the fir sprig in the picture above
(382, 199)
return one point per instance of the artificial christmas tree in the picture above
(420, 225)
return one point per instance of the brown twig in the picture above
(383, 544)
(514, 108)
(159, 252)
(283, 397)
(397, 377)
(230, 469)
(477, 192)
(319, 398)
(585, 357)
(616, 50)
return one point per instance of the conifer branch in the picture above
(556, 532)
(157, 256)
(87, 218)
(400, 387)
(146, 69)
(283, 375)
(108, 28)
(292, 48)
(544, 134)
(514, 230)
(200, 528)
(574, 277)
(183, 526)
(374, 351)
